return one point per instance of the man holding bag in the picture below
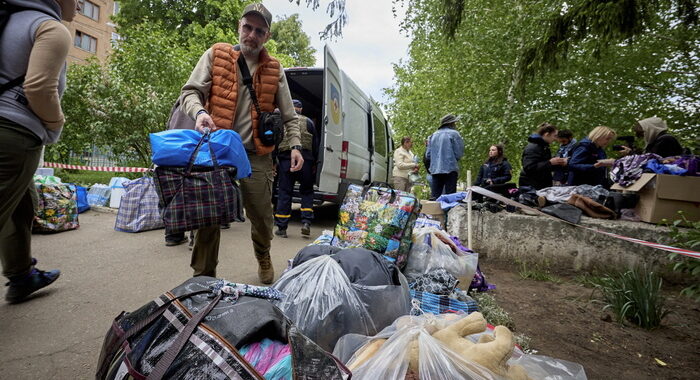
(219, 82)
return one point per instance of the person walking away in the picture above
(33, 50)
(537, 160)
(306, 176)
(217, 82)
(560, 173)
(405, 163)
(588, 162)
(445, 149)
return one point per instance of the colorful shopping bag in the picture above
(379, 218)
(57, 209)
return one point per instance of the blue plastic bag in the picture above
(81, 195)
(174, 148)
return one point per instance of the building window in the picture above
(85, 41)
(89, 9)
(116, 8)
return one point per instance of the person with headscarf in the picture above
(33, 49)
(656, 137)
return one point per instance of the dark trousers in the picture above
(286, 180)
(443, 184)
(20, 151)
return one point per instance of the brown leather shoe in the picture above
(266, 273)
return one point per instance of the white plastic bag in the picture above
(430, 251)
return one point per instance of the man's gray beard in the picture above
(247, 50)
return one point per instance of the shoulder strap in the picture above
(15, 82)
(247, 80)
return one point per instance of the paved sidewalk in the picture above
(58, 334)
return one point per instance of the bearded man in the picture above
(217, 98)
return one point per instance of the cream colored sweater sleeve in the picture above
(51, 43)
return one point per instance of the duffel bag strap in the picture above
(379, 184)
(182, 338)
(135, 329)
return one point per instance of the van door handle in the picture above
(329, 148)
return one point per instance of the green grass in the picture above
(537, 273)
(88, 178)
(496, 316)
(634, 296)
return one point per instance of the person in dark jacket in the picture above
(495, 170)
(588, 162)
(537, 159)
(560, 174)
(656, 137)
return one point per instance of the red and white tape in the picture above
(680, 251)
(114, 169)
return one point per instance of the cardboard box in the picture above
(662, 196)
(433, 210)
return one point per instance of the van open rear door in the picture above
(331, 149)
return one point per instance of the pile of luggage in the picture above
(382, 296)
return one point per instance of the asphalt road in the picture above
(58, 332)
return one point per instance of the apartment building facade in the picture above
(93, 30)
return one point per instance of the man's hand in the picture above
(489, 181)
(606, 162)
(204, 121)
(297, 161)
(625, 151)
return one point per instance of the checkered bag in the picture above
(196, 196)
(436, 304)
(138, 209)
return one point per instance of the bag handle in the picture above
(140, 325)
(248, 81)
(167, 359)
(206, 136)
(380, 184)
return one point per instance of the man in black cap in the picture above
(445, 148)
(217, 82)
(305, 177)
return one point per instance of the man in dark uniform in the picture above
(305, 176)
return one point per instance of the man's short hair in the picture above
(565, 134)
(545, 128)
(405, 139)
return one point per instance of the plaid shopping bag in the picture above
(378, 218)
(138, 209)
(436, 304)
(196, 196)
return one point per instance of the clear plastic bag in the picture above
(392, 360)
(325, 305)
(432, 248)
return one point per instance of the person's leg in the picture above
(451, 183)
(205, 252)
(306, 190)
(257, 201)
(20, 152)
(401, 183)
(283, 210)
(437, 186)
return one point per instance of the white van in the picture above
(356, 143)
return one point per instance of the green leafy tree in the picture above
(292, 41)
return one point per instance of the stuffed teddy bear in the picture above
(491, 352)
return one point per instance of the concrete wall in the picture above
(558, 245)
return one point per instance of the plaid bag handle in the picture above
(380, 184)
(206, 136)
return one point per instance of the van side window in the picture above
(379, 136)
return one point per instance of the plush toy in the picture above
(491, 352)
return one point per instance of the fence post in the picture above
(469, 209)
